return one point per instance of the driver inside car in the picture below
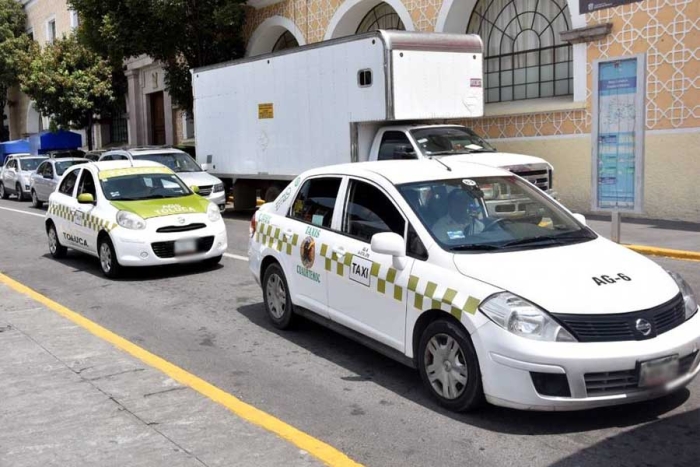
(461, 219)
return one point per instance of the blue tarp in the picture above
(62, 139)
(13, 147)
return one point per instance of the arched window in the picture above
(524, 57)
(381, 16)
(285, 41)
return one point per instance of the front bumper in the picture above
(218, 198)
(135, 247)
(507, 361)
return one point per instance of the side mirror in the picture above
(581, 218)
(86, 198)
(195, 189)
(390, 243)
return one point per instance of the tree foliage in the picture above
(13, 43)
(69, 83)
(182, 34)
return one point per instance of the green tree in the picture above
(13, 43)
(69, 83)
(181, 34)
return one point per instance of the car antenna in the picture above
(438, 160)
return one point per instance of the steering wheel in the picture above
(491, 222)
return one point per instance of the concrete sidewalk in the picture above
(655, 233)
(68, 398)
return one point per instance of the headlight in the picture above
(691, 304)
(213, 212)
(129, 220)
(218, 187)
(523, 318)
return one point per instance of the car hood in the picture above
(495, 159)
(198, 178)
(191, 204)
(560, 279)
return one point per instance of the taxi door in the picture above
(60, 206)
(365, 291)
(304, 231)
(84, 219)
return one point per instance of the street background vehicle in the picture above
(533, 311)
(181, 163)
(45, 178)
(387, 98)
(16, 174)
(132, 213)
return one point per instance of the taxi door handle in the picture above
(288, 233)
(339, 250)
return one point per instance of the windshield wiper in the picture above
(475, 247)
(533, 240)
(450, 153)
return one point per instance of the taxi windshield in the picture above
(175, 161)
(491, 213)
(143, 186)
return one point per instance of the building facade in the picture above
(609, 95)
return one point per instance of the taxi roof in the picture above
(123, 164)
(410, 171)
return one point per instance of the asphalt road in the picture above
(212, 323)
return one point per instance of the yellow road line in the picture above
(666, 252)
(317, 448)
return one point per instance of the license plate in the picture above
(658, 371)
(184, 247)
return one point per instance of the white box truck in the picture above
(261, 121)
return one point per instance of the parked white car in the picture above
(133, 213)
(45, 178)
(533, 311)
(179, 162)
(15, 176)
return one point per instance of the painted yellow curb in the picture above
(667, 252)
(317, 448)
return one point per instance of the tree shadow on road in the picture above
(369, 366)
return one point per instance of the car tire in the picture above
(278, 302)
(19, 193)
(211, 262)
(449, 366)
(3, 193)
(108, 258)
(35, 201)
(55, 248)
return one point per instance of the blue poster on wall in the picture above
(617, 115)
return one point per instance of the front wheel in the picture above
(55, 248)
(35, 201)
(278, 302)
(449, 366)
(20, 193)
(3, 193)
(108, 259)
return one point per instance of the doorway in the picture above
(157, 118)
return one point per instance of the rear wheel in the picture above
(108, 258)
(278, 302)
(55, 248)
(3, 193)
(35, 201)
(449, 366)
(19, 193)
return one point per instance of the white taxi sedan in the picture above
(133, 213)
(533, 311)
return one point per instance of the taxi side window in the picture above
(68, 183)
(48, 170)
(315, 202)
(11, 164)
(42, 168)
(369, 211)
(87, 184)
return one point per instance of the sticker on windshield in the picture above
(455, 234)
(317, 219)
(114, 194)
(469, 182)
(423, 140)
(474, 147)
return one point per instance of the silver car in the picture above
(179, 162)
(44, 180)
(16, 174)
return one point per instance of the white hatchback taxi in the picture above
(133, 213)
(533, 311)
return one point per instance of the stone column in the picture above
(168, 110)
(136, 132)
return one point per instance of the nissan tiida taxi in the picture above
(133, 213)
(533, 311)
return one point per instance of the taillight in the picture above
(252, 226)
